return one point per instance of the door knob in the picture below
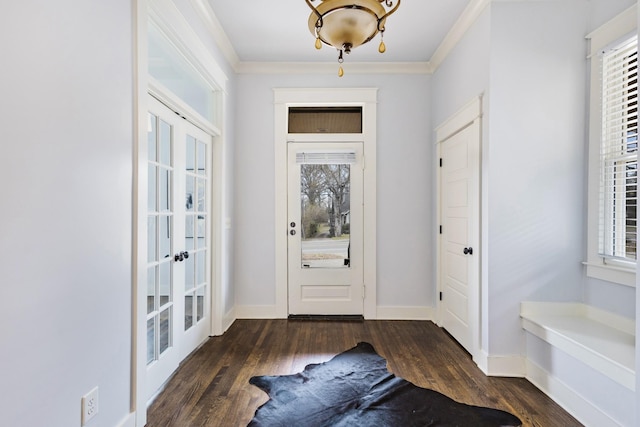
(293, 224)
(181, 256)
(468, 251)
(292, 232)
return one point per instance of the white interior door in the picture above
(459, 204)
(178, 241)
(325, 210)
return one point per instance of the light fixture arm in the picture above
(319, 22)
(389, 3)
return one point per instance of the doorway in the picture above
(178, 241)
(459, 217)
(325, 229)
(290, 98)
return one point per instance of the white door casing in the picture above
(325, 268)
(288, 97)
(459, 219)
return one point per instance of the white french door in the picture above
(178, 241)
(325, 211)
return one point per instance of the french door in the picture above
(325, 210)
(178, 241)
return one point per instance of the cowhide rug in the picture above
(356, 389)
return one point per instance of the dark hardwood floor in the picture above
(211, 387)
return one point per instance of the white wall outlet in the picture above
(89, 405)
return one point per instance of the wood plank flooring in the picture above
(211, 387)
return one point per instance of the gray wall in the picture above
(66, 234)
(529, 60)
(404, 233)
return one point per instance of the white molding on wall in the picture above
(203, 9)
(174, 25)
(405, 313)
(570, 400)
(258, 312)
(128, 421)
(332, 68)
(455, 34)
(501, 366)
(468, 17)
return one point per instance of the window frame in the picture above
(597, 266)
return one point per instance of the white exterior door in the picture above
(178, 241)
(325, 250)
(459, 207)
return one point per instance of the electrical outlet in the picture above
(89, 405)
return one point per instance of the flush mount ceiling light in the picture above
(347, 24)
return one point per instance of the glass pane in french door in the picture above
(196, 240)
(160, 310)
(326, 215)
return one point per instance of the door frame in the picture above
(166, 16)
(465, 117)
(314, 97)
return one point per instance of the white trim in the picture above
(203, 9)
(405, 313)
(284, 98)
(461, 119)
(178, 106)
(128, 421)
(228, 319)
(500, 366)
(468, 17)
(139, 275)
(621, 25)
(570, 400)
(259, 312)
(603, 341)
(332, 68)
(173, 24)
(620, 275)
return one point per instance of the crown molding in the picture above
(332, 68)
(468, 17)
(457, 31)
(203, 9)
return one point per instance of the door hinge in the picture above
(440, 296)
(364, 292)
(440, 161)
(440, 229)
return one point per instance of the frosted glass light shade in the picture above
(347, 22)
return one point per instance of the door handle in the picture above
(181, 256)
(468, 251)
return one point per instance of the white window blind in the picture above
(619, 152)
(320, 158)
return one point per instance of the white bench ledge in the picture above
(602, 340)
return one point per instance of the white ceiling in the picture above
(277, 31)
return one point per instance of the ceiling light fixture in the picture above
(347, 24)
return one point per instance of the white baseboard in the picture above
(405, 313)
(128, 421)
(257, 312)
(228, 319)
(501, 366)
(382, 313)
(570, 400)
